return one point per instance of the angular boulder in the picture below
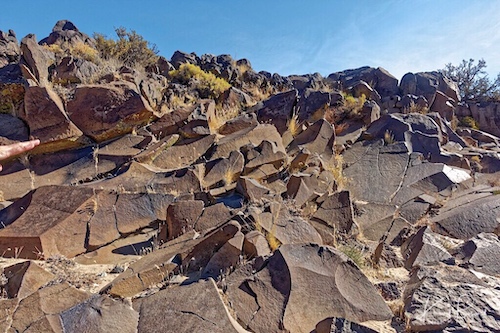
(47, 120)
(106, 111)
(272, 299)
(449, 299)
(196, 307)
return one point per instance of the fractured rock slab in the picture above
(272, 300)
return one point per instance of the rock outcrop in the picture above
(278, 204)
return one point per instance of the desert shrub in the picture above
(468, 121)
(415, 108)
(130, 48)
(355, 254)
(207, 84)
(84, 51)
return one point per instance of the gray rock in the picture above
(340, 325)
(465, 220)
(9, 48)
(196, 307)
(450, 298)
(272, 300)
(481, 253)
(277, 110)
(100, 314)
(424, 249)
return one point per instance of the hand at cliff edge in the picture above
(16, 148)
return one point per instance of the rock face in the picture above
(283, 204)
(45, 116)
(449, 299)
(103, 112)
(284, 281)
(193, 308)
(9, 48)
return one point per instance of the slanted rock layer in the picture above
(350, 203)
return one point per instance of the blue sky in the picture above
(289, 37)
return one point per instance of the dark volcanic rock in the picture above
(271, 300)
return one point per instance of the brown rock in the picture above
(255, 245)
(424, 249)
(265, 153)
(49, 221)
(143, 178)
(336, 211)
(171, 122)
(196, 307)
(287, 228)
(212, 217)
(241, 122)
(100, 314)
(254, 136)
(226, 258)
(277, 110)
(45, 116)
(272, 300)
(184, 153)
(251, 189)
(223, 171)
(316, 139)
(36, 59)
(106, 111)
(186, 251)
(24, 279)
(39, 311)
(182, 216)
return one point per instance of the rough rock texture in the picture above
(45, 116)
(271, 300)
(106, 111)
(423, 249)
(480, 253)
(445, 298)
(193, 308)
(100, 314)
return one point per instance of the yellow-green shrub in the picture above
(207, 84)
(131, 48)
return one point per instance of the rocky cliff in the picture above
(198, 195)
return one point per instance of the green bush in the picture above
(207, 84)
(469, 122)
(130, 48)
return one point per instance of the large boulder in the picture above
(36, 60)
(427, 83)
(277, 110)
(450, 299)
(39, 312)
(272, 299)
(45, 223)
(45, 116)
(196, 307)
(378, 78)
(65, 32)
(106, 111)
(9, 48)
